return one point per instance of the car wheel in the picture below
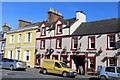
(44, 71)
(11, 67)
(103, 78)
(64, 74)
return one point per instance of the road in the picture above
(33, 74)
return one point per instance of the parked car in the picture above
(109, 72)
(13, 64)
(57, 67)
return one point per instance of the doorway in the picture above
(79, 63)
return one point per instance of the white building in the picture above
(77, 42)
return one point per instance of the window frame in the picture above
(58, 28)
(19, 38)
(58, 44)
(89, 43)
(25, 55)
(44, 31)
(11, 39)
(72, 43)
(42, 45)
(108, 42)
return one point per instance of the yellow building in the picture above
(20, 44)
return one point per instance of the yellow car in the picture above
(57, 67)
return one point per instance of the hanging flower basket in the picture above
(115, 57)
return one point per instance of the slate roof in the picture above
(98, 27)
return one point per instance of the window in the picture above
(55, 57)
(111, 41)
(91, 63)
(59, 43)
(91, 42)
(19, 38)
(42, 45)
(28, 37)
(27, 55)
(2, 46)
(11, 39)
(112, 62)
(10, 60)
(10, 54)
(59, 29)
(110, 69)
(118, 69)
(74, 43)
(57, 65)
(43, 31)
(18, 54)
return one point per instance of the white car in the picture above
(110, 72)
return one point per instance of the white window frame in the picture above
(110, 41)
(11, 39)
(90, 42)
(27, 38)
(18, 54)
(10, 54)
(19, 38)
(27, 53)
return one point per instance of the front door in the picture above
(37, 60)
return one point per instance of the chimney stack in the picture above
(6, 27)
(53, 15)
(80, 16)
(23, 23)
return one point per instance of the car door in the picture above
(111, 72)
(118, 72)
(57, 68)
(4, 63)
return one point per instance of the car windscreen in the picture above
(64, 65)
(118, 69)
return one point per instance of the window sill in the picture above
(58, 48)
(27, 61)
(11, 43)
(27, 42)
(58, 33)
(42, 48)
(72, 49)
(110, 48)
(43, 35)
(91, 49)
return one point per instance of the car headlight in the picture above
(70, 71)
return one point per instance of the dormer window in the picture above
(59, 29)
(43, 31)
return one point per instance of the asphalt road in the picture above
(33, 74)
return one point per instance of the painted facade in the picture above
(20, 44)
(55, 40)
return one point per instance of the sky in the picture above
(37, 11)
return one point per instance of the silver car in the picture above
(110, 72)
(13, 64)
